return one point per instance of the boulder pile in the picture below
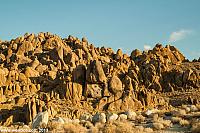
(69, 77)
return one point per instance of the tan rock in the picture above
(115, 106)
(94, 91)
(52, 74)
(33, 108)
(71, 76)
(18, 88)
(119, 54)
(79, 74)
(135, 53)
(2, 96)
(2, 77)
(95, 73)
(30, 72)
(8, 121)
(35, 63)
(28, 112)
(20, 101)
(25, 47)
(102, 103)
(115, 84)
(41, 68)
(33, 88)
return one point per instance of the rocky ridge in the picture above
(69, 77)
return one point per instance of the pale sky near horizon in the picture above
(125, 24)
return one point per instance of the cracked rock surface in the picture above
(69, 77)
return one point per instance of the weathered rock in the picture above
(79, 74)
(131, 115)
(99, 117)
(115, 105)
(71, 77)
(58, 120)
(195, 127)
(70, 90)
(40, 118)
(35, 63)
(130, 103)
(25, 47)
(95, 73)
(33, 88)
(8, 121)
(193, 108)
(2, 76)
(29, 72)
(140, 118)
(2, 96)
(20, 101)
(119, 54)
(112, 117)
(33, 108)
(67, 120)
(115, 85)
(135, 53)
(86, 117)
(122, 117)
(94, 91)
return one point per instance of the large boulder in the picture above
(135, 53)
(79, 73)
(115, 85)
(94, 90)
(95, 73)
(2, 76)
(25, 47)
(30, 72)
(99, 117)
(40, 119)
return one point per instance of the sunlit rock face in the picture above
(69, 77)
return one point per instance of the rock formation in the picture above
(69, 76)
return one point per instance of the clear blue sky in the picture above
(126, 24)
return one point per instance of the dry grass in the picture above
(166, 123)
(179, 112)
(155, 117)
(140, 118)
(184, 122)
(193, 108)
(116, 127)
(186, 108)
(198, 106)
(74, 128)
(148, 130)
(54, 125)
(67, 128)
(196, 128)
(176, 119)
(88, 124)
(109, 127)
(158, 126)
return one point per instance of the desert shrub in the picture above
(74, 128)
(116, 127)
(196, 127)
(184, 122)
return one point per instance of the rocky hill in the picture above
(69, 77)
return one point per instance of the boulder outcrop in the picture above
(69, 76)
